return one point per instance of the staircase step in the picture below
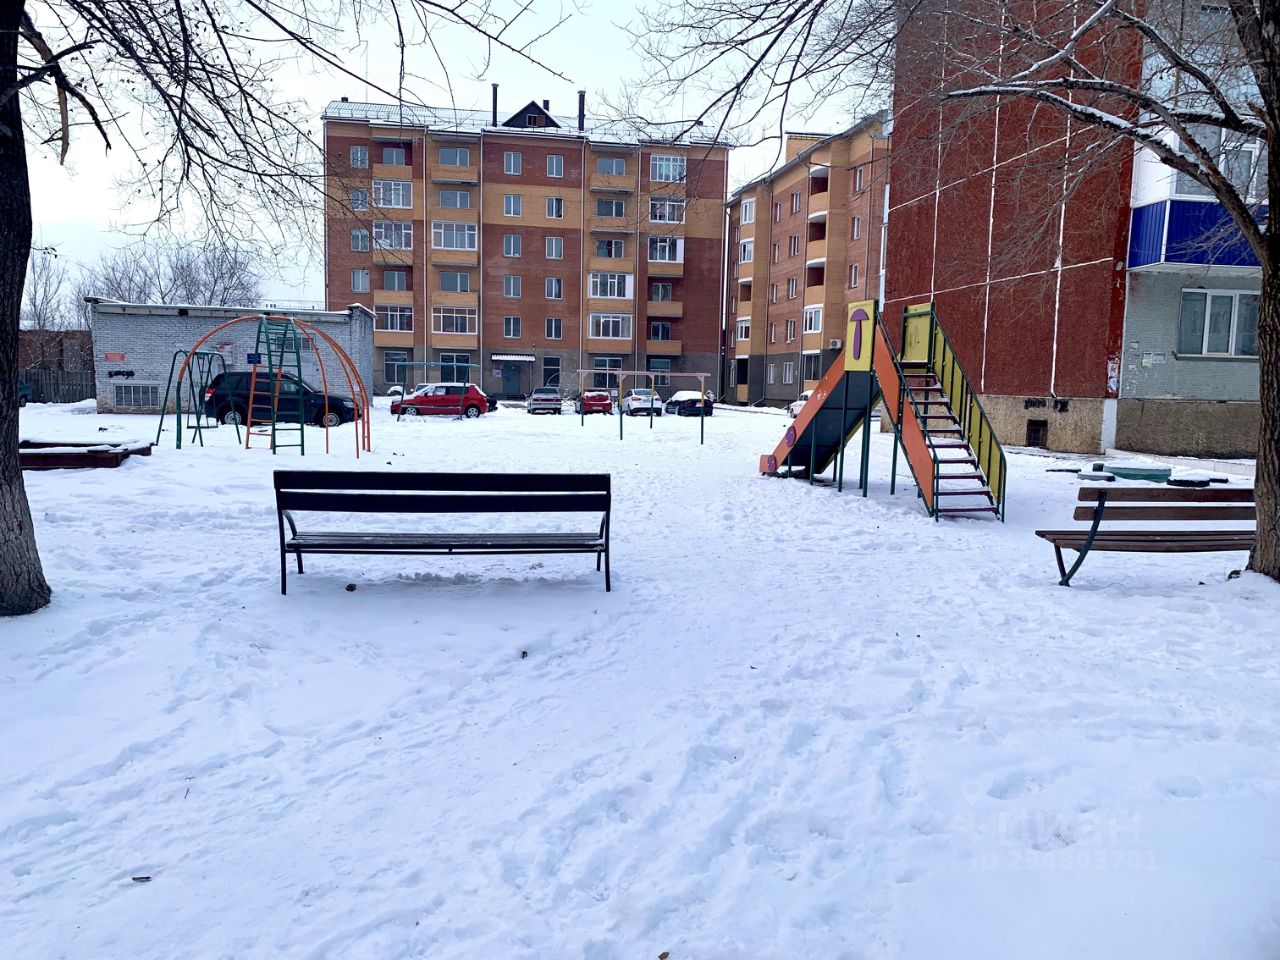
(940, 416)
(958, 445)
(991, 509)
(964, 493)
(957, 460)
(961, 476)
(949, 431)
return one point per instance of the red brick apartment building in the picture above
(805, 242)
(1069, 279)
(516, 251)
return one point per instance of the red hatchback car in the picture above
(594, 401)
(446, 399)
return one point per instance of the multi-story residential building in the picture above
(805, 243)
(517, 251)
(1096, 299)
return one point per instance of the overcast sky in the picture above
(79, 210)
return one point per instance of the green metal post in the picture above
(844, 418)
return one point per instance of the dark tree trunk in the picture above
(1266, 555)
(22, 584)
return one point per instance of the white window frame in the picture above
(672, 246)
(389, 158)
(462, 157)
(611, 326)
(512, 287)
(857, 227)
(773, 331)
(611, 285)
(621, 248)
(512, 163)
(791, 329)
(748, 211)
(464, 320)
(773, 293)
(512, 204)
(793, 285)
(383, 318)
(813, 319)
(466, 275)
(668, 168)
(555, 208)
(768, 373)
(746, 251)
(555, 165)
(554, 288)
(619, 205)
(360, 240)
(788, 371)
(456, 194)
(393, 194)
(555, 328)
(666, 210)
(793, 245)
(1233, 346)
(853, 275)
(859, 177)
(511, 328)
(555, 248)
(389, 230)
(443, 230)
(404, 279)
(795, 201)
(742, 330)
(664, 285)
(512, 245)
(360, 280)
(611, 161)
(393, 365)
(358, 198)
(804, 358)
(358, 157)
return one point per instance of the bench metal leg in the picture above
(284, 573)
(598, 558)
(1084, 550)
(298, 554)
(608, 583)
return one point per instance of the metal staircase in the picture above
(276, 409)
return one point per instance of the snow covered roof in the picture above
(460, 121)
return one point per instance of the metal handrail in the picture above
(903, 391)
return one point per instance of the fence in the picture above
(59, 386)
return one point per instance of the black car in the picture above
(227, 400)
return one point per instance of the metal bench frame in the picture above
(1155, 504)
(340, 491)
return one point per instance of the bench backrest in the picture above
(349, 491)
(1164, 504)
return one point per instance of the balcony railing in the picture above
(1169, 234)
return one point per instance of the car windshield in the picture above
(643, 393)
(546, 392)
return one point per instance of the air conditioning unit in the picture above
(835, 344)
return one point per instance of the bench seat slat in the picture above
(351, 480)
(1167, 494)
(392, 542)
(351, 502)
(1161, 514)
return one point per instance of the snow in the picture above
(803, 723)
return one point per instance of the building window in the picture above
(610, 208)
(1218, 323)
(743, 331)
(455, 281)
(768, 373)
(791, 330)
(793, 245)
(447, 235)
(773, 331)
(137, 395)
(858, 177)
(853, 275)
(812, 319)
(359, 199)
(455, 156)
(555, 208)
(555, 165)
(666, 210)
(611, 166)
(660, 367)
(511, 327)
(555, 328)
(605, 377)
(393, 319)
(555, 248)
(748, 211)
(555, 288)
(392, 235)
(812, 366)
(360, 240)
(661, 292)
(791, 288)
(795, 202)
(777, 212)
(666, 169)
(666, 249)
(614, 249)
(360, 158)
(394, 193)
(395, 280)
(359, 281)
(511, 163)
(746, 251)
(659, 330)
(511, 244)
(1239, 159)
(773, 293)
(393, 156)
(511, 286)
(611, 326)
(788, 372)
(511, 204)
(393, 365)
(455, 367)
(551, 371)
(454, 319)
(856, 228)
(777, 251)
(455, 198)
(613, 286)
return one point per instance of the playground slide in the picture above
(911, 431)
(838, 408)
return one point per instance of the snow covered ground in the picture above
(802, 725)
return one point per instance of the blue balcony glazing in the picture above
(1172, 233)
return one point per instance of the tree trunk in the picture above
(1266, 555)
(22, 584)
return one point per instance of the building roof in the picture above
(107, 306)
(456, 120)
(881, 117)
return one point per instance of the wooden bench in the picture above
(1155, 504)
(333, 491)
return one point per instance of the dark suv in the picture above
(227, 400)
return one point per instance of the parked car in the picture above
(594, 401)
(796, 406)
(443, 399)
(641, 401)
(226, 399)
(26, 393)
(686, 403)
(544, 400)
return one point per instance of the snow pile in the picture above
(803, 724)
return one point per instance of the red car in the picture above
(446, 399)
(594, 401)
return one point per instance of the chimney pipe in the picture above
(546, 105)
(582, 110)
(495, 104)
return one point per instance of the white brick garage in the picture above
(134, 344)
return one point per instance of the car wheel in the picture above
(232, 417)
(409, 411)
(329, 419)
(471, 413)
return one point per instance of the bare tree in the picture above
(1195, 86)
(213, 273)
(189, 90)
